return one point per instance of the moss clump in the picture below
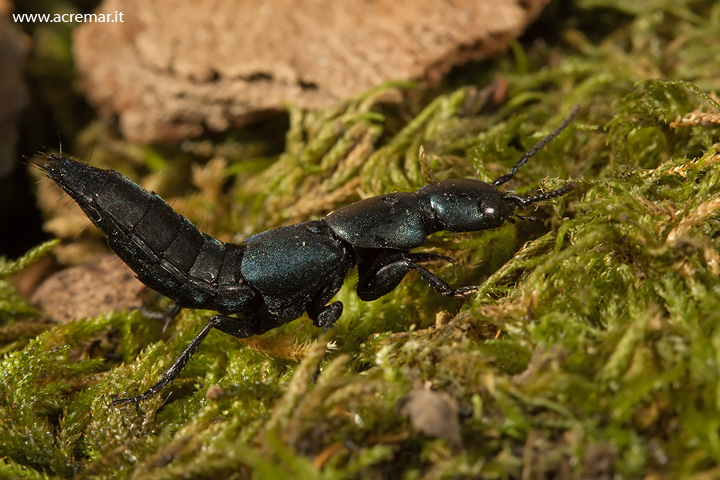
(590, 351)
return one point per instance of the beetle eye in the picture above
(488, 209)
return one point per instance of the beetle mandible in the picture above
(275, 276)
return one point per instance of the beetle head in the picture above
(467, 205)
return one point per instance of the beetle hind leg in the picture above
(237, 327)
(166, 316)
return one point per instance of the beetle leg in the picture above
(326, 316)
(237, 327)
(422, 257)
(386, 271)
(167, 315)
(380, 274)
(441, 286)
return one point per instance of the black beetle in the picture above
(275, 276)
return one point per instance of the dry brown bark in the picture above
(173, 70)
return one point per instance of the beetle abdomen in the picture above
(167, 252)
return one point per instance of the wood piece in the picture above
(174, 70)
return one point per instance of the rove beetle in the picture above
(275, 276)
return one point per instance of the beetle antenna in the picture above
(511, 173)
(525, 201)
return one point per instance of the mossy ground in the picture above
(592, 349)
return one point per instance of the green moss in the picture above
(591, 349)
(14, 309)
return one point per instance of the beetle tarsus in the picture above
(465, 291)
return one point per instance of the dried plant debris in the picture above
(165, 84)
(433, 414)
(708, 119)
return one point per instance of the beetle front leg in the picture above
(384, 272)
(438, 284)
